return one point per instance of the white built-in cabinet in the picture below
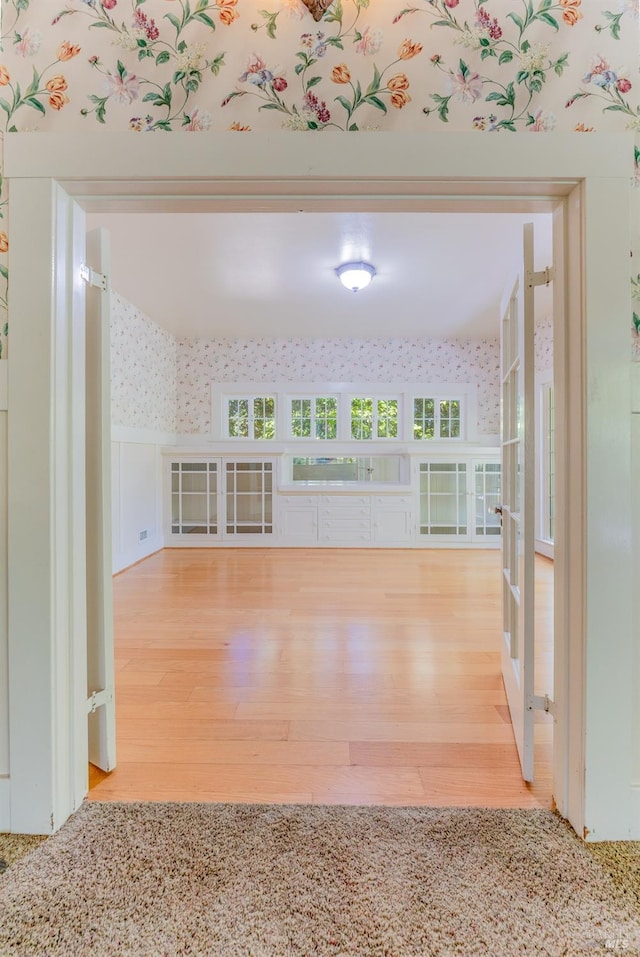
(245, 500)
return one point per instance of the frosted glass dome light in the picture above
(355, 276)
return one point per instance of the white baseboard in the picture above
(5, 816)
(126, 559)
(544, 548)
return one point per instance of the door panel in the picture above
(100, 651)
(518, 504)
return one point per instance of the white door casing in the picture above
(594, 676)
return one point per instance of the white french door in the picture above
(518, 504)
(100, 650)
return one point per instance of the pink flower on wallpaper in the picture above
(543, 122)
(28, 43)
(124, 88)
(295, 8)
(370, 42)
(465, 86)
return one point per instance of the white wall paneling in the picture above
(137, 502)
(4, 653)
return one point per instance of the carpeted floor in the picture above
(158, 880)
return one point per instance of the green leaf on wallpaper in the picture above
(374, 86)
(269, 106)
(487, 52)
(344, 102)
(313, 81)
(4, 272)
(205, 18)
(615, 108)
(217, 64)
(547, 18)
(164, 125)
(443, 106)
(377, 102)
(144, 54)
(517, 20)
(505, 57)
(12, 129)
(334, 42)
(353, 128)
(163, 57)
(174, 21)
(35, 83)
(100, 105)
(636, 321)
(614, 23)
(545, 5)
(22, 4)
(178, 76)
(5, 106)
(100, 23)
(334, 14)
(299, 67)
(525, 46)
(122, 70)
(36, 104)
(561, 63)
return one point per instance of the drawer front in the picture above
(345, 535)
(345, 523)
(346, 501)
(393, 501)
(296, 501)
(344, 514)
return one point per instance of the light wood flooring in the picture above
(346, 676)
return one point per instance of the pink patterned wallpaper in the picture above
(201, 361)
(543, 344)
(143, 370)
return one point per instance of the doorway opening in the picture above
(417, 717)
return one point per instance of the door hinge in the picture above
(93, 278)
(99, 698)
(541, 702)
(542, 278)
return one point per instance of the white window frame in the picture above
(376, 397)
(437, 397)
(284, 393)
(221, 397)
(312, 398)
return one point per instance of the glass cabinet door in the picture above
(194, 498)
(487, 497)
(443, 498)
(249, 498)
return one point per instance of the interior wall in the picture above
(143, 416)
(136, 490)
(635, 506)
(201, 361)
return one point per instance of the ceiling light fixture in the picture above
(355, 276)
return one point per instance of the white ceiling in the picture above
(251, 275)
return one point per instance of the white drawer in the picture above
(393, 501)
(346, 501)
(343, 514)
(345, 523)
(296, 501)
(345, 535)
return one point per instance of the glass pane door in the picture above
(443, 498)
(194, 498)
(249, 498)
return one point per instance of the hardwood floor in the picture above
(325, 676)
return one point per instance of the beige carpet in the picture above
(158, 880)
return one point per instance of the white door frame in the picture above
(587, 189)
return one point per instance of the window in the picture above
(437, 418)
(314, 417)
(251, 417)
(374, 418)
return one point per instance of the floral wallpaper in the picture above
(543, 344)
(201, 361)
(143, 370)
(524, 66)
